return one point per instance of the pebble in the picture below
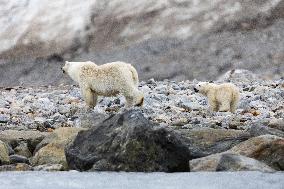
(3, 103)
(4, 118)
(49, 167)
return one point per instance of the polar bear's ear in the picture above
(67, 62)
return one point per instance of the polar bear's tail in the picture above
(134, 75)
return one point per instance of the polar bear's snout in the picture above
(62, 69)
(195, 89)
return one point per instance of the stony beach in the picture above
(38, 123)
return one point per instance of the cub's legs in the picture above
(224, 106)
(234, 104)
(213, 105)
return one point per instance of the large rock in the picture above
(228, 162)
(91, 119)
(16, 167)
(18, 159)
(277, 124)
(233, 162)
(206, 141)
(266, 148)
(259, 129)
(128, 142)
(4, 153)
(23, 149)
(61, 135)
(238, 75)
(29, 26)
(51, 149)
(50, 154)
(16, 138)
(45, 30)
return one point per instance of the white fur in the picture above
(223, 97)
(105, 80)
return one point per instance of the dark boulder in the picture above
(128, 142)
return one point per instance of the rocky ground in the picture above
(38, 123)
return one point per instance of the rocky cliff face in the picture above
(181, 38)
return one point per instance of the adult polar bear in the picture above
(224, 97)
(108, 79)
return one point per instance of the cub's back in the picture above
(233, 89)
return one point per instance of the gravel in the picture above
(168, 103)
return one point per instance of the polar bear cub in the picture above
(108, 79)
(224, 97)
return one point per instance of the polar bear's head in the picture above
(73, 68)
(203, 87)
(65, 67)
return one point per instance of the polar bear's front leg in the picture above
(234, 102)
(213, 105)
(89, 97)
(95, 99)
(129, 101)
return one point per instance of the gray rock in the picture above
(277, 124)
(128, 142)
(45, 105)
(18, 159)
(23, 149)
(258, 129)
(91, 119)
(266, 148)
(4, 118)
(151, 81)
(51, 149)
(180, 122)
(238, 75)
(189, 105)
(10, 150)
(4, 153)
(233, 162)
(206, 141)
(49, 167)
(16, 167)
(3, 103)
(64, 109)
(14, 138)
(228, 162)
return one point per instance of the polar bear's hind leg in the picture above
(234, 103)
(213, 105)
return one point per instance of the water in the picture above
(122, 180)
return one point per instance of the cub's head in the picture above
(203, 87)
